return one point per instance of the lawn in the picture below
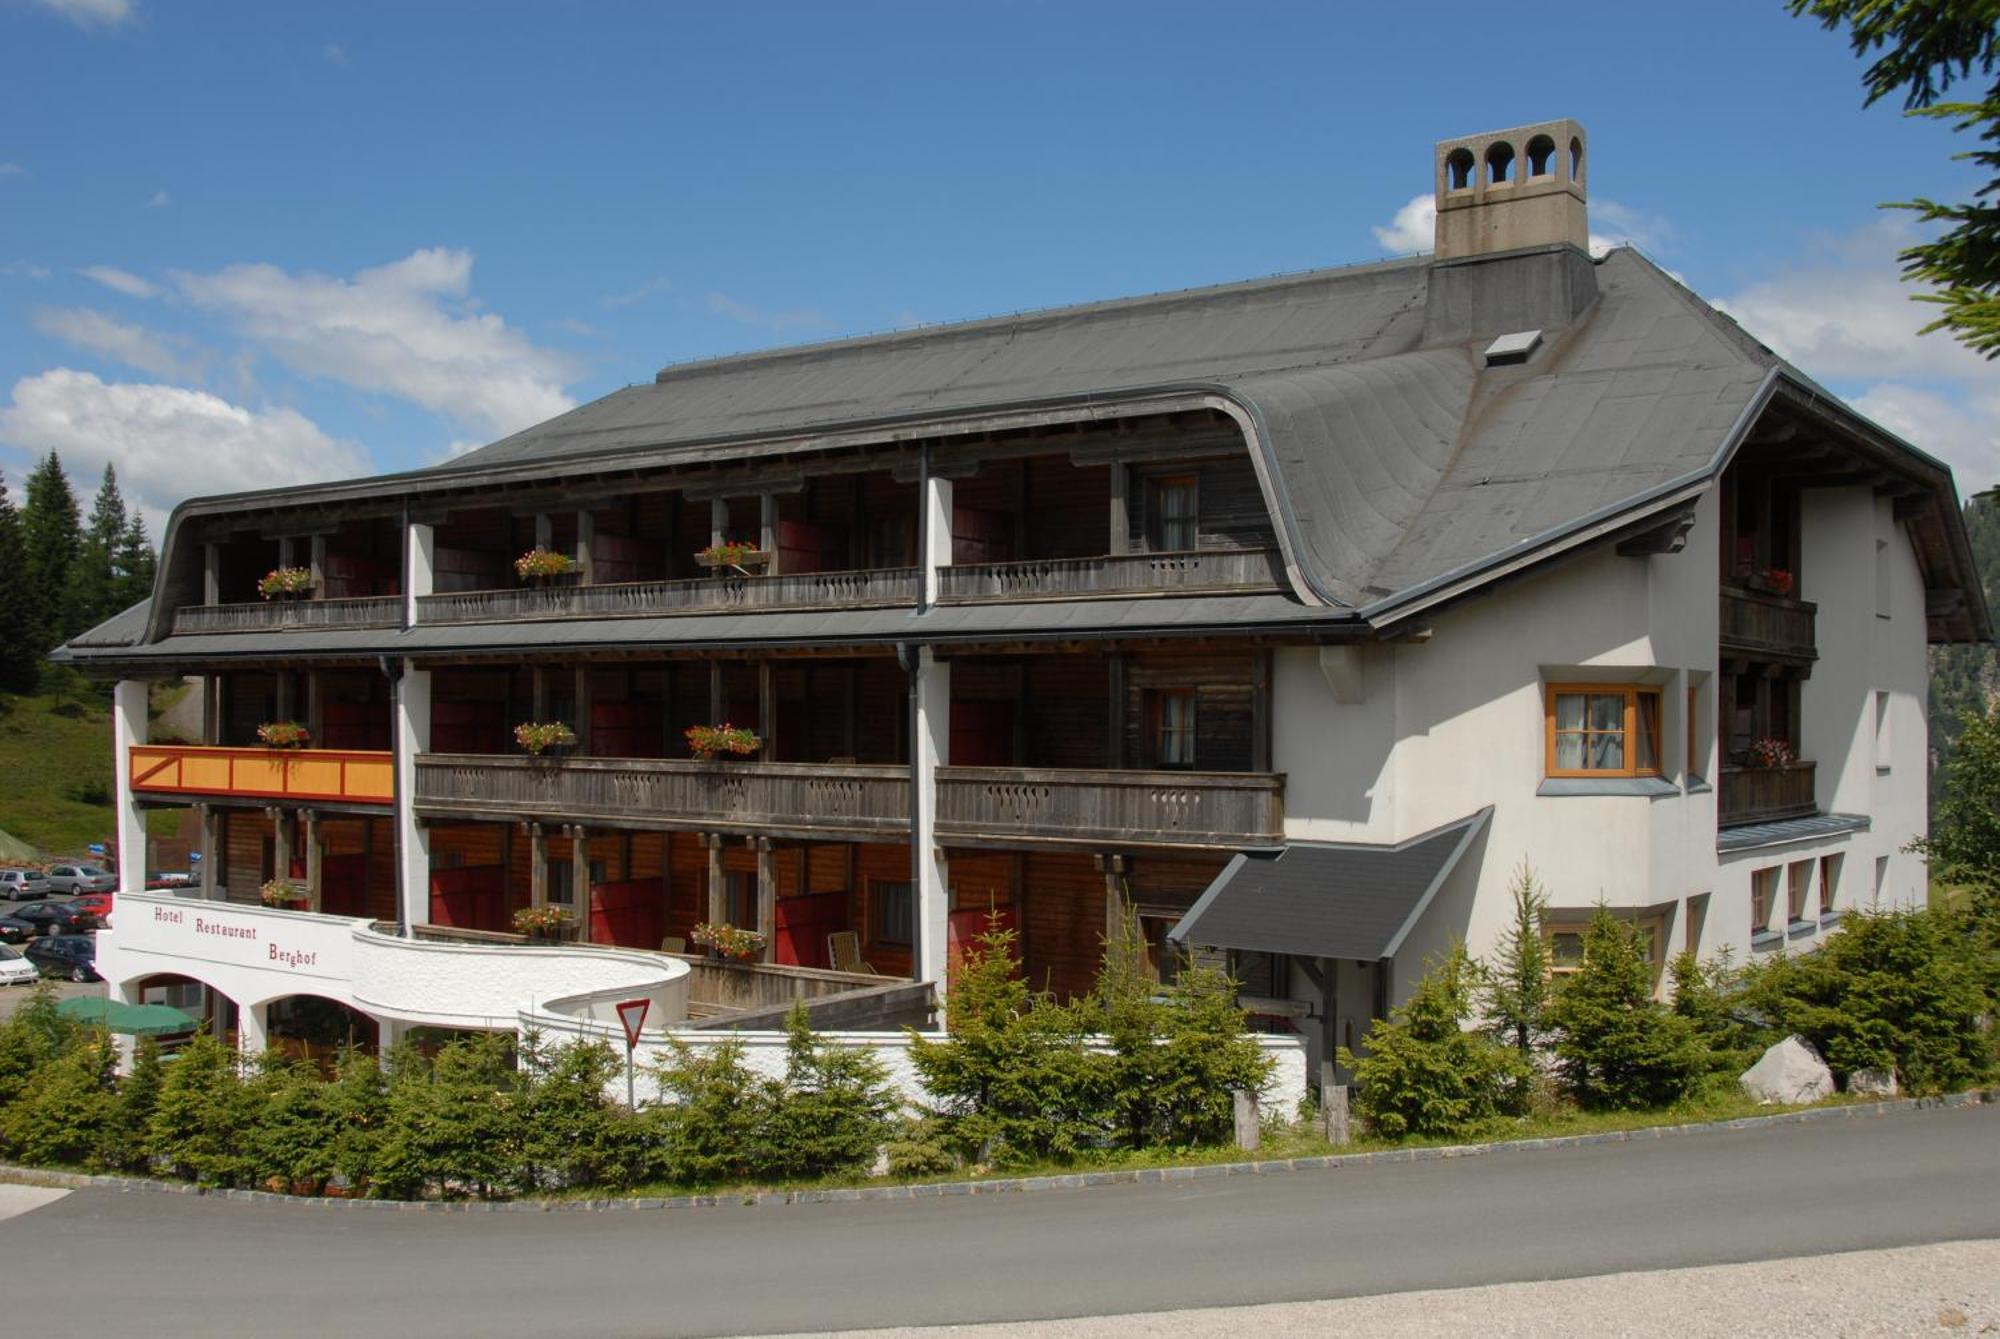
(55, 773)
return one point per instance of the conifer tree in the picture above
(1514, 987)
(134, 563)
(17, 670)
(52, 534)
(94, 581)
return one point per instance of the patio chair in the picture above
(674, 944)
(843, 950)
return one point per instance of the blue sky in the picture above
(245, 244)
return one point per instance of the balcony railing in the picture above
(1209, 571)
(1206, 809)
(1765, 794)
(641, 599)
(374, 611)
(803, 798)
(1762, 624)
(333, 776)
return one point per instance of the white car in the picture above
(16, 970)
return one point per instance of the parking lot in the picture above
(10, 998)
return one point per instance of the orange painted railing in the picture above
(333, 775)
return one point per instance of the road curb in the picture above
(34, 1176)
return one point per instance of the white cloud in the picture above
(93, 13)
(12, 170)
(144, 349)
(22, 269)
(1964, 432)
(406, 329)
(159, 200)
(131, 285)
(778, 323)
(169, 443)
(1413, 228)
(634, 296)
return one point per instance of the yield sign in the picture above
(632, 1013)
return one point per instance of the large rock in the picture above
(1872, 1083)
(1790, 1073)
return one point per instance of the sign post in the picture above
(632, 1015)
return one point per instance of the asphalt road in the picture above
(165, 1264)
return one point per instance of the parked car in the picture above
(54, 918)
(73, 957)
(14, 930)
(172, 878)
(69, 880)
(21, 884)
(97, 905)
(15, 969)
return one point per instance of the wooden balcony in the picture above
(375, 611)
(1207, 572)
(802, 799)
(1765, 794)
(327, 776)
(652, 599)
(1220, 810)
(1762, 625)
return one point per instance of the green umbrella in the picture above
(135, 1020)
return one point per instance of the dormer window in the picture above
(1171, 514)
(1603, 730)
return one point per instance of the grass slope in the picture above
(51, 753)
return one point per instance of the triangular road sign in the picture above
(632, 1013)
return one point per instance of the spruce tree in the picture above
(134, 563)
(94, 581)
(1514, 987)
(17, 664)
(52, 533)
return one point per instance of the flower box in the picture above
(284, 735)
(739, 555)
(546, 922)
(1772, 753)
(542, 565)
(706, 741)
(288, 894)
(539, 737)
(286, 583)
(728, 941)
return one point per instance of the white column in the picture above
(419, 568)
(252, 1036)
(931, 743)
(936, 531)
(128, 727)
(413, 842)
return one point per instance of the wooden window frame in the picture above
(1798, 890)
(1763, 898)
(1632, 693)
(1157, 486)
(1156, 725)
(1829, 883)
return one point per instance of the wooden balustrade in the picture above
(1763, 624)
(1210, 571)
(1766, 794)
(639, 599)
(799, 798)
(1207, 809)
(374, 611)
(343, 776)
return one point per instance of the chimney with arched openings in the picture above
(1509, 189)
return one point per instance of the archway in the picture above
(317, 1029)
(189, 993)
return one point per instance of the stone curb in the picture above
(1018, 1185)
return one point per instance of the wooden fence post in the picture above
(1248, 1130)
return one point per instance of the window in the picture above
(562, 881)
(1566, 938)
(1763, 897)
(1882, 583)
(1565, 949)
(893, 912)
(1693, 919)
(1829, 884)
(1798, 882)
(1882, 739)
(1693, 760)
(1171, 515)
(740, 898)
(1603, 730)
(1162, 958)
(1173, 716)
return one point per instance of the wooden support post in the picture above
(1121, 515)
(285, 694)
(315, 708)
(212, 837)
(586, 539)
(538, 693)
(1335, 1120)
(581, 691)
(211, 574)
(281, 843)
(718, 520)
(767, 530)
(1115, 720)
(538, 866)
(718, 887)
(315, 859)
(545, 530)
(316, 561)
(1260, 711)
(1113, 867)
(767, 711)
(579, 879)
(767, 900)
(1248, 1130)
(715, 692)
(211, 709)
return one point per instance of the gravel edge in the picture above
(33, 1176)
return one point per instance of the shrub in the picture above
(358, 1098)
(453, 1123)
(291, 1146)
(1011, 1078)
(1708, 994)
(573, 1136)
(1900, 990)
(202, 1121)
(34, 1036)
(60, 1116)
(1424, 1074)
(831, 1112)
(1513, 991)
(918, 1148)
(1175, 1057)
(1617, 1048)
(127, 1144)
(715, 1105)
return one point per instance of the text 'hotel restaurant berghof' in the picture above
(1289, 617)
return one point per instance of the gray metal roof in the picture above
(1327, 899)
(1751, 836)
(1035, 621)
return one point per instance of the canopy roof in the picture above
(134, 1020)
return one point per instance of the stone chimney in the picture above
(1513, 236)
(1510, 189)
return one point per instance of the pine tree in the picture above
(94, 581)
(1514, 988)
(52, 534)
(17, 670)
(134, 563)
